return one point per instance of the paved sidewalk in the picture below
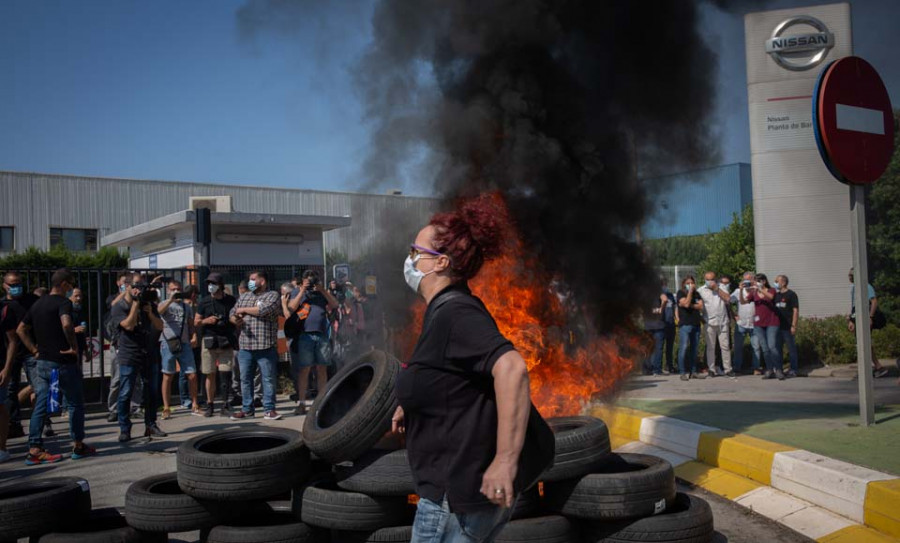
(816, 414)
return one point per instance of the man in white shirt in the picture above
(743, 327)
(715, 309)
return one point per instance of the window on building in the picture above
(74, 239)
(7, 239)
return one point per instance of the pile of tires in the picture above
(591, 495)
(58, 509)
(258, 484)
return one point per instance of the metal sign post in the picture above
(861, 302)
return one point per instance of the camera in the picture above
(178, 296)
(312, 277)
(147, 295)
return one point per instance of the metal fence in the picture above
(98, 284)
(674, 274)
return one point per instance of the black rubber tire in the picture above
(355, 410)
(377, 473)
(105, 525)
(582, 445)
(42, 506)
(627, 486)
(528, 504)
(328, 507)
(548, 529)
(689, 520)
(252, 463)
(274, 527)
(394, 534)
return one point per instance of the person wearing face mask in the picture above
(718, 323)
(217, 341)
(48, 333)
(744, 322)
(112, 400)
(689, 308)
(256, 316)
(16, 357)
(788, 306)
(466, 478)
(767, 324)
(79, 317)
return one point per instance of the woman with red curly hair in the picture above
(464, 396)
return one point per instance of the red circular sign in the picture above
(856, 121)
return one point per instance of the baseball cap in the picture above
(215, 278)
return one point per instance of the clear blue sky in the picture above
(174, 90)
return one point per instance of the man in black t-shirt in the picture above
(217, 341)
(123, 279)
(139, 329)
(15, 357)
(788, 306)
(689, 305)
(54, 347)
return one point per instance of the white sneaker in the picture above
(4, 456)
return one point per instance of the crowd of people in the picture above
(767, 314)
(218, 345)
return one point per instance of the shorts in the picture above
(209, 357)
(185, 359)
(310, 350)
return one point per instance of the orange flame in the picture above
(569, 364)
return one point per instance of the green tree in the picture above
(732, 251)
(60, 257)
(884, 232)
(679, 250)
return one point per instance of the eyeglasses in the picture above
(415, 250)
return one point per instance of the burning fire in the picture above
(568, 362)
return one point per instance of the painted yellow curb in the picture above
(740, 454)
(621, 421)
(616, 441)
(715, 480)
(856, 534)
(882, 506)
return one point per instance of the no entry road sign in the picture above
(853, 121)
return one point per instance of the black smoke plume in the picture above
(560, 106)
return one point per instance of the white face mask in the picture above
(412, 275)
(212, 288)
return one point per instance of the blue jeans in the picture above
(128, 377)
(435, 523)
(688, 343)
(739, 334)
(669, 348)
(768, 342)
(267, 360)
(70, 385)
(785, 336)
(659, 338)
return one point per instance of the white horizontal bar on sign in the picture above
(860, 119)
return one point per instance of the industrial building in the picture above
(43, 210)
(697, 202)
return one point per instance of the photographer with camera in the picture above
(175, 345)
(312, 303)
(256, 316)
(137, 355)
(217, 340)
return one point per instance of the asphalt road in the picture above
(117, 466)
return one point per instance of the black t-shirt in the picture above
(785, 303)
(688, 316)
(447, 393)
(210, 306)
(135, 346)
(11, 314)
(46, 327)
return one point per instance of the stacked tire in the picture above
(58, 509)
(592, 495)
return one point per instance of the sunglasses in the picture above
(416, 250)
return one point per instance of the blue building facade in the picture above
(697, 202)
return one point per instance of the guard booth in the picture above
(238, 242)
